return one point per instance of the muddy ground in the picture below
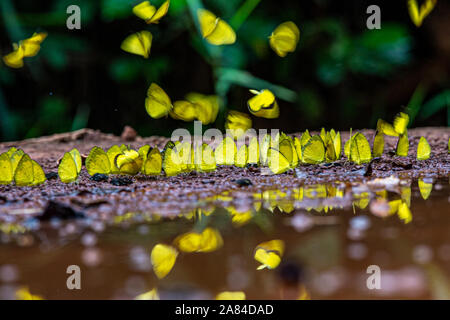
(172, 194)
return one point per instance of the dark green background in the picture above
(342, 74)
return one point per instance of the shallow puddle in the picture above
(331, 233)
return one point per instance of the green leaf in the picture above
(435, 104)
(415, 102)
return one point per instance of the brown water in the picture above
(332, 233)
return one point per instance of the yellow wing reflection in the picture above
(207, 241)
(163, 259)
(269, 254)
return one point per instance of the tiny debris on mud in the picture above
(121, 181)
(99, 177)
(51, 175)
(59, 211)
(243, 182)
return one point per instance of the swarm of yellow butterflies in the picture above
(279, 153)
(17, 166)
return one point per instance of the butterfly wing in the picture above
(6, 173)
(38, 174)
(67, 169)
(163, 258)
(144, 10)
(157, 103)
(138, 43)
(284, 39)
(98, 162)
(423, 149)
(160, 13)
(153, 163)
(23, 175)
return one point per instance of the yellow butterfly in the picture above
(405, 193)
(97, 162)
(378, 144)
(241, 157)
(206, 107)
(253, 151)
(128, 162)
(163, 259)
(239, 218)
(386, 128)
(26, 48)
(15, 58)
(336, 137)
(360, 149)
(32, 45)
(284, 38)
(323, 135)
(263, 104)
(423, 149)
(231, 295)
(264, 147)
(24, 294)
(332, 142)
(277, 161)
(157, 103)
(207, 163)
(184, 150)
(150, 295)
(238, 123)
(16, 156)
(70, 166)
(417, 16)
(138, 43)
(298, 148)
(171, 160)
(400, 123)
(149, 13)
(347, 145)
(313, 151)
(225, 153)
(404, 213)
(215, 30)
(287, 148)
(425, 188)
(402, 145)
(28, 172)
(184, 110)
(112, 153)
(6, 172)
(300, 143)
(305, 137)
(207, 241)
(269, 254)
(152, 165)
(143, 152)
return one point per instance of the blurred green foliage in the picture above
(341, 75)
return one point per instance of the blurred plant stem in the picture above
(416, 101)
(6, 122)
(243, 12)
(11, 22)
(245, 79)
